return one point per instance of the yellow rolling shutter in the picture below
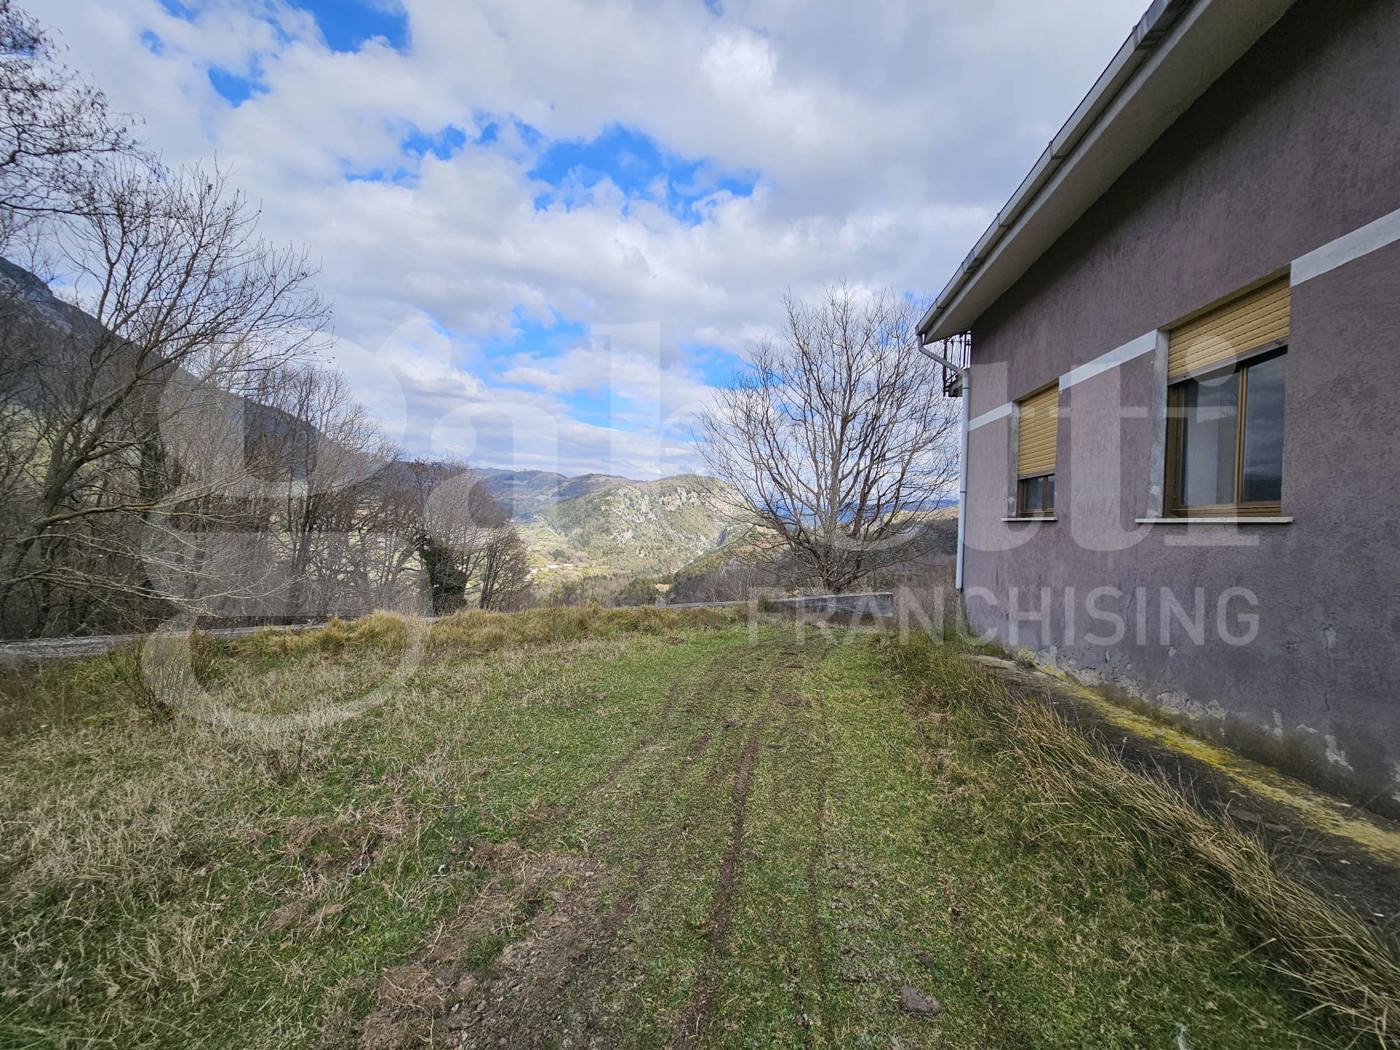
(1040, 425)
(1250, 321)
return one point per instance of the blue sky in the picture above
(348, 24)
(576, 217)
(639, 167)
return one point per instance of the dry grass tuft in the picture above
(476, 631)
(380, 631)
(1338, 962)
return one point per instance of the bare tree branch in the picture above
(836, 437)
(126, 407)
(55, 128)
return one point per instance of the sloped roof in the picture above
(1175, 52)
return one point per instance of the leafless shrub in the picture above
(125, 666)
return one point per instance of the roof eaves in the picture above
(1156, 33)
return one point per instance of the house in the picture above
(1182, 464)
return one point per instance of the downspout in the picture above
(965, 383)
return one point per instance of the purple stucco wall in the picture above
(1295, 146)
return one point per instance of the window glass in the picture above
(1036, 495)
(1263, 433)
(1209, 435)
(1030, 496)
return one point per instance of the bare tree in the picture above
(469, 550)
(438, 524)
(55, 128)
(505, 572)
(320, 447)
(367, 552)
(837, 437)
(183, 309)
(458, 520)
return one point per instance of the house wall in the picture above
(1294, 147)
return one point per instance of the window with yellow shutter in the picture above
(1035, 453)
(1225, 403)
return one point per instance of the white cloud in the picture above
(633, 381)
(885, 137)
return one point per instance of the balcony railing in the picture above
(958, 350)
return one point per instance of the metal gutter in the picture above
(1150, 30)
(1147, 35)
(964, 428)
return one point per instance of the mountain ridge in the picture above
(605, 523)
(586, 524)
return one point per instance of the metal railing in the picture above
(958, 350)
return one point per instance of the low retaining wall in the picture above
(879, 605)
(43, 650)
(827, 606)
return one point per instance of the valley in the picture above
(601, 524)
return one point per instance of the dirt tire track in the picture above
(662, 723)
(624, 762)
(561, 945)
(722, 910)
(626, 902)
(718, 686)
(686, 1033)
(595, 931)
(816, 942)
(798, 710)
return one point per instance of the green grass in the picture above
(1064, 793)
(615, 828)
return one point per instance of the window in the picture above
(1035, 454)
(1225, 408)
(1035, 497)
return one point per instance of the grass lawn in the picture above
(641, 829)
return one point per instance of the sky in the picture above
(548, 229)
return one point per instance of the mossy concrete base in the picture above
(1354, 851)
